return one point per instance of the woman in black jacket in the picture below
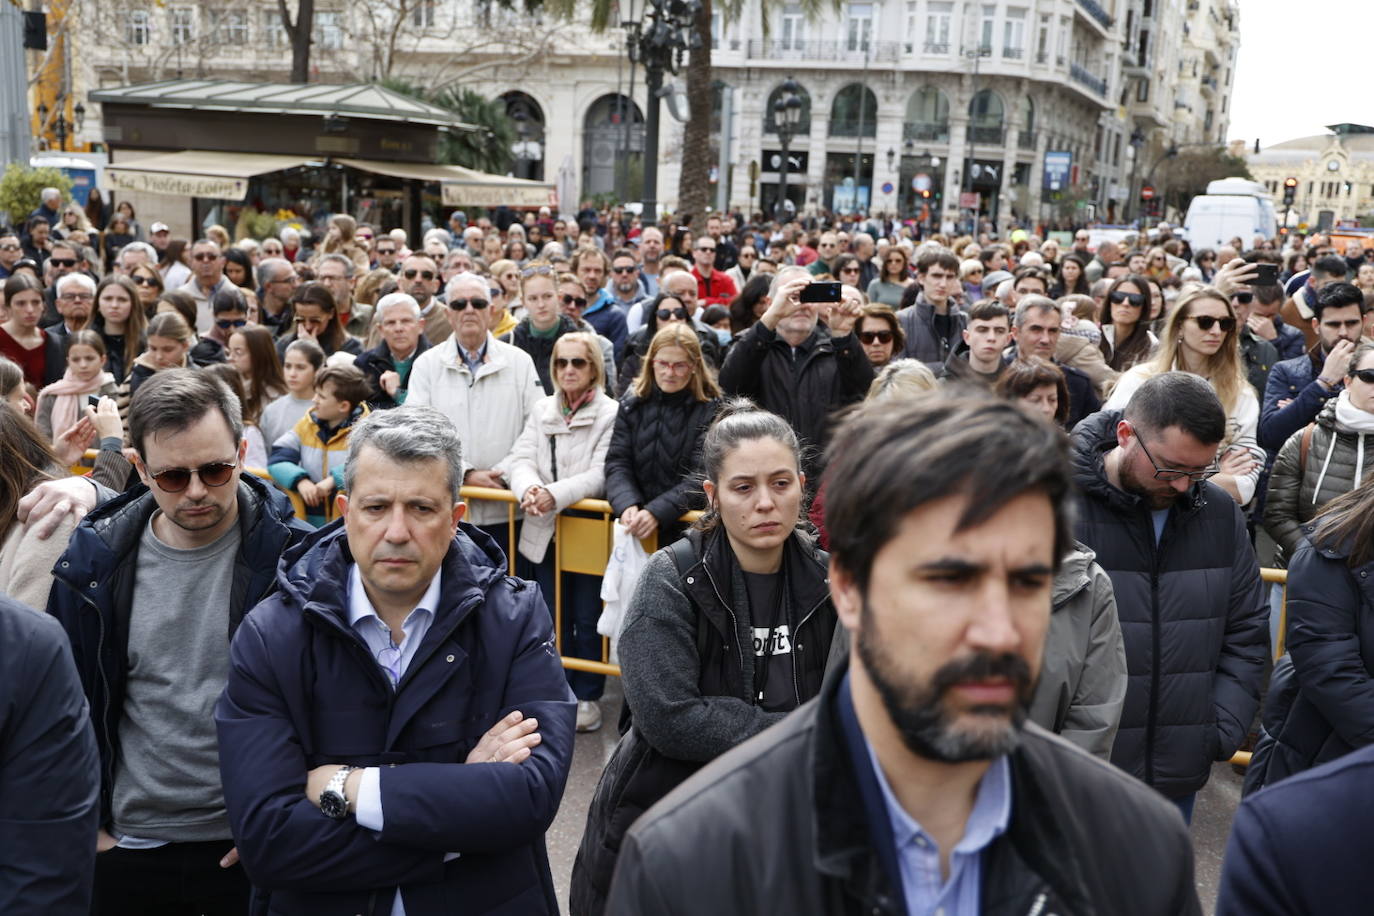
(665, 309)
(1320, 704)
(657, 440)
(747, 578)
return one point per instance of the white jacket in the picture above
(489, 410)
(581, 453)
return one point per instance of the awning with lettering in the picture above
(466, 187)
(198, 173)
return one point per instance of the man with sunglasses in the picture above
(150, 591)
(385, 251)
(207, 278)
(1187, 585)
(1267, 324)
(11, 252)
(625, 283)
(64, 258)
(713, 286)
(419, 277)
(1259, 354)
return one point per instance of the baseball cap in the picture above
(159, 227)
(993, 280)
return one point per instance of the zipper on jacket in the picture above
(796, 678)
(108, 765)
(734, 623)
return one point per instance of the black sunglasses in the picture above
(477, 303)
(1364, 375)
(422, 274)
(144, 281)
(386, 250)
(665, 314)
(706, 248)
(1136, 300)
(1244, 297)
(624, 270)
(1205, 322)
(579, 301)
(174, 480)
(227, 323)
(62, 262)
(577, 362)
(872, 337)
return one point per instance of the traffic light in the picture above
(1290, 191)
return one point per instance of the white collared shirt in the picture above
(393, 659)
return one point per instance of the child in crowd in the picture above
(62, 404)
(309, 460)
(303, 359)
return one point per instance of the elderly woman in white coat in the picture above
(559, 459)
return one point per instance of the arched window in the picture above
(854, 112)
(1026, 137)
(528, 150)
(927, 115)
(986, 118)
(770, 124)
(612, 128)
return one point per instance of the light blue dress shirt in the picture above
(393, 659)
(918, 855)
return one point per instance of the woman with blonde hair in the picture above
(559, 459)
(1201, 335)
(341, 238)
(655, 450)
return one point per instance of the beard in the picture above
(1158, 499)
(921, 713)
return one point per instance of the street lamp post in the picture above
(1137, 141)
(666, 35)
(61, 126)
(787, 116)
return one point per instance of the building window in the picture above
(229, 28)
(137, 27)
(1142, 90)
(1061, 53)
(1143, 49)
(1042, 41)
(910, 24)
(423, 14)
(860, 29)
(328, 32)
(938, 15)
(183, 25)
(1014, 34)
(793, 29)
(986, 28)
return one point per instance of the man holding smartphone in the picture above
(797, 368)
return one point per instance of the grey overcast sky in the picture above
(1293, 68)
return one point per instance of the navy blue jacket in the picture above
(1301, 848)
(1294, 379)
(49, 771)
(604, 314)
(1291, 342)
(93, 586)
(305, 691)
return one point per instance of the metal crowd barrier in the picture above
(582, 546)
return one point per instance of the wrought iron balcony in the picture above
(854, 127)
(1081, 76)
(938, 133)
(1093, 9)
(824, 50)
(984, 134)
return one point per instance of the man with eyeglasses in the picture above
(1082, 243)
(713, 286)
(338, 274)
(11, 253)
(827, 250)
(75, 300)
(150, 591)
(727, 254)
(419, 278)
(207, 278)
(1186, 580)
(625, 284)
(64, 257)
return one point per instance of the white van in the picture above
(1231, 207)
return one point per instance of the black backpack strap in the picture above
(684, 558)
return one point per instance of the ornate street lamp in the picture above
(665, 36)
(787, 112)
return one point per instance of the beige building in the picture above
(1335, 175)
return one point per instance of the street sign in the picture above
(1147, 193)
(888, 187)
(969, 200)
(1058, 163)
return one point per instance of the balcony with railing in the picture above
(934, 133)
(1095, 10)
(1082, 77)
(986, 134)
(1013, 53)
(853, 127)
(824, 50)
(936, 47)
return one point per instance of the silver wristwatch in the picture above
(333, 802)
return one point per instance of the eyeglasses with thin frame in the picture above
(1168, 474)
(10, 247)
(204, 256)
(215, 474)
(706, 248)
(676, 368)
(77, 297)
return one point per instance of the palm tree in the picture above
(487, 149)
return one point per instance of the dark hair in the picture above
(1033, 273)
(988, 309)
(11, 377)
(318, 294)
(713, 313)
(264, 370)
(1337, 296)
(312, 352)
(172, 253)
(1331, 266)
(884, 464)
(885, 314)
(1346, 525)
(25, 459)
(228, 299)
(183, 303)
(738, 421)
(349, 383)
(1026, 374)
(937, 257)
(19, 283)
(231, 378)
(1178, 399)
(173, 399)
(1080, 286)
(742, 306)
(86, 338)
(240, 257)
(909, 295)
(1123, 354)
(1268, 294)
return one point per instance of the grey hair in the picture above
(408, 434)
(144, 247)
(394, 299)
(273, 269)
(1033, 303)
(68, 279)
(335, 258)
(785, 273)
(464, 277)
(49, 194)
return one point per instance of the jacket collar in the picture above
(1092, 439)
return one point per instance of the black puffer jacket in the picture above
(1320, 704)
(803, 386)
(686, 653)
(1192, 614)
(655, 450)
(637, 347)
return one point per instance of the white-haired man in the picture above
(75, 299)
(388, 365)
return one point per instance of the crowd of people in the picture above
(284, 619)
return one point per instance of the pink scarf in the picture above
(69, 398)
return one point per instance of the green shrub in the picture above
(20, 188)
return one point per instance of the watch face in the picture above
(1333, 165)
(332, 804)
